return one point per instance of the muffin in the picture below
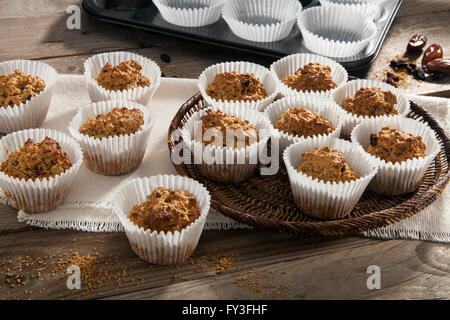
(403, 149)
(163, 216)
(166, 210)
(328, 176)
(302, 122)
(121, 76)
(26, 89)
(113, 135)
(235, 161)
(37, 168)
(238, 84)
(371, 102)
(312, 77)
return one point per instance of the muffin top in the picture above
(312, 77)
(124, 76)
(371, 102)
(395, 146)
(233, 86)
(326, 164)
(118, 121)
(302, 122)
(166, 210)
(216, 122)
(37, 160)
(18, 87)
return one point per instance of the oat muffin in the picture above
(371, 102)
(124, 76)
(219, 121)
(37, 160)
(18, 87)
(166, 210)
(302, 122)
(395, 146)
(327, 164)
(233, 86)
(312, 77)
(118, 121)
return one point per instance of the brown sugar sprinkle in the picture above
(215, 257)
(262, 284)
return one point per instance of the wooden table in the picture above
(285, 266)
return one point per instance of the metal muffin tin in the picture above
(143, 14)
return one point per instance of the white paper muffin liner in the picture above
(322, 105)
(335, 31)
(261, 20)
(398, 178)
(227, 165)
(38, 195)
(289, 65)
(327, 200)
(143, 95)
(32, 113)
(161, 248)
(263, 74)
(369, 8)
(350, 88)
(115, 155)
(190, 13)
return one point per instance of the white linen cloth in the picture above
(87, 206)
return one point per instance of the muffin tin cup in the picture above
(227, 165)
(115, 155)
(335, 31)
(322, 105)
(39, 195)
(290, 64)
(190, 13)
(397, 178)
(350, 89)
(143, 95)
(161, 248)
(262, 73)
(261, 20)
(32, 113)
(325, 200)
(369, 8)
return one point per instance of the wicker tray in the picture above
(266, 202)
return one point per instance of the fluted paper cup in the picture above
(369, 8)
(263, 74)
(289, 65)
(328, 200)
(35, 196)
(227, 165)
(261, 20)
(115, 155)
(190, 13)
(161, 248)
(322, 105)
(32, 113)
(350, 89)
(143, 95)
(336, 31)
(406, 176)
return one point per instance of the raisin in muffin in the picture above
(371, 102)
(395, 146)
(326, 164)
(213, 121)
(312, 77)
(119, 121)
(302, 122)
(37, 160)
(18, 87)
(233, 86)
(124, 76)
(166, 210)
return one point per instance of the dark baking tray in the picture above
(144, 15)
